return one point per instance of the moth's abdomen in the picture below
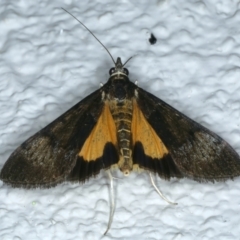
(122, 116)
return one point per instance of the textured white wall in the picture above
(48, 62)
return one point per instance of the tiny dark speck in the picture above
(152, 39)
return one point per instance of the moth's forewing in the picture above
(52, 155)
(193, 150)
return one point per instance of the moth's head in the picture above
(119, 68)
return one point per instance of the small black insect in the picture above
(152, 39)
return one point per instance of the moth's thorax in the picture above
(121, 107)
(119, 89)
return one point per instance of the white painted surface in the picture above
(48, 62)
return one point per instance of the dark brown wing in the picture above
(193, 150)
(52, 155)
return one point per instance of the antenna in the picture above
(128, 60)
(91, 33)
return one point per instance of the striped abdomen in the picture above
(122, 116)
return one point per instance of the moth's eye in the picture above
(125, 71)
(111, 71)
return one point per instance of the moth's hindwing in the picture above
(99, 149)
(144, 134)
(191, 150)
(54, 155)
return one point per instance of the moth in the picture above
(120, 125)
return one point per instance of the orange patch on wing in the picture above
(103, 132)
(143, 132)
